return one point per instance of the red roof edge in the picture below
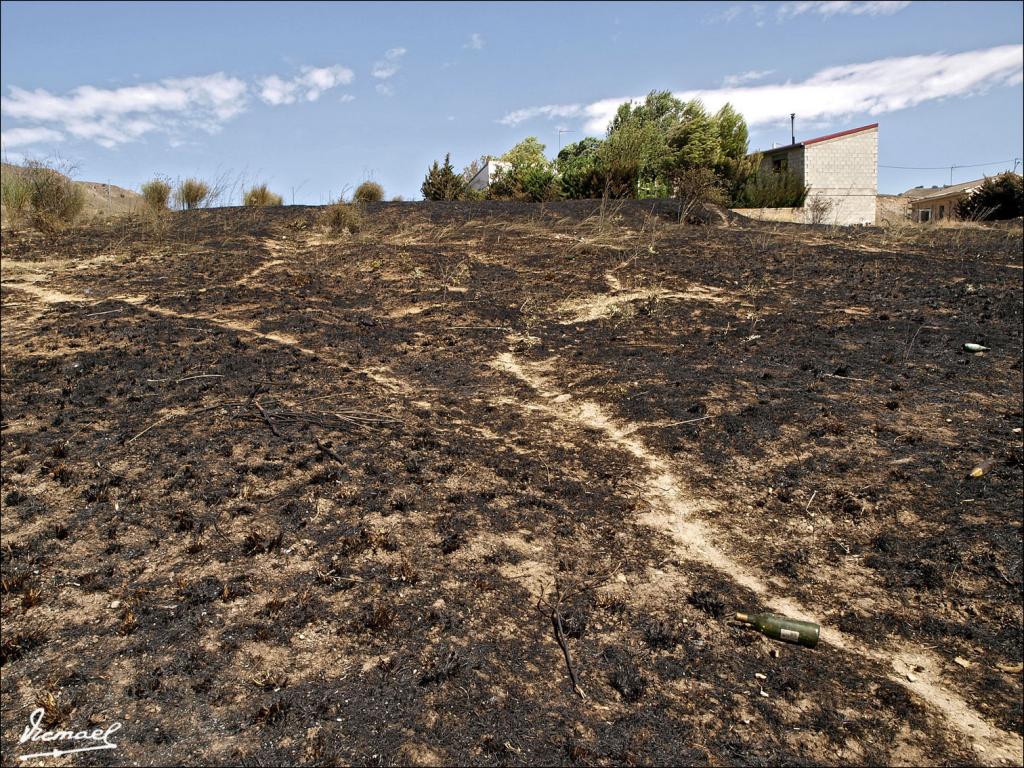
(841, 133)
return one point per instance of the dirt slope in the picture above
(101, 200)
(272, 495)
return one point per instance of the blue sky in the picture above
(313, 98)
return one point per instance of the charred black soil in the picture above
(274, 495)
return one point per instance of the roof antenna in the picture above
(792, 127)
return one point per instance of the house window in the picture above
(925, 214)
(780, 165)
(942, 212)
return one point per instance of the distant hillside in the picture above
(101, 200)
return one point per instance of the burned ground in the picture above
(273, 495)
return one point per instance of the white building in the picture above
(486, 175)
(841, 170)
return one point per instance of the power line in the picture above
(943, 167)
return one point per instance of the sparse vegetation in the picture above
(191, 193)
(157, 194)
(343, 217)
(326, 487)
(369, 192)
(261, 197)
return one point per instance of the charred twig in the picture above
(328, 451)
(109, 472)
(170, 416)
(688, 421)
(266, 418)
(555, 614)
(556, 621)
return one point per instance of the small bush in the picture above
(369, 192)
(397, 199)
(191, 193)
(694, 187)
(56, 201)
(15, 194)
(343, 217)
(157, 194)
(261, 197)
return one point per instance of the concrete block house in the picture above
(840, 168)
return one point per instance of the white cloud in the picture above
(550, 111)
(385, 90)
(747, 77)
(111, 116)
(390, 65)
(345, 98)
(308, 85)
(727, 15)
(476, 42)
(843, 7)
(173, 106)
(872, 88)
(19, 137)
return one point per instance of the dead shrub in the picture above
(818, 209)
(343, 217)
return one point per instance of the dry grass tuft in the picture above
(191, 193)
(157, 194)
(261, 197)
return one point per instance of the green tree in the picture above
(636, 147)
(580, 171)
(660, 109)
(631, 156)
(694, 141)
(443, 182)
(529, 151)
(1001, 197)
(732, 133)
(530, 175)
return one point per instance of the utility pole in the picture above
(792, 127)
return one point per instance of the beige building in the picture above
(841, 170)
(938, 203)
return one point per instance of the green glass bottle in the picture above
(782, 628)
